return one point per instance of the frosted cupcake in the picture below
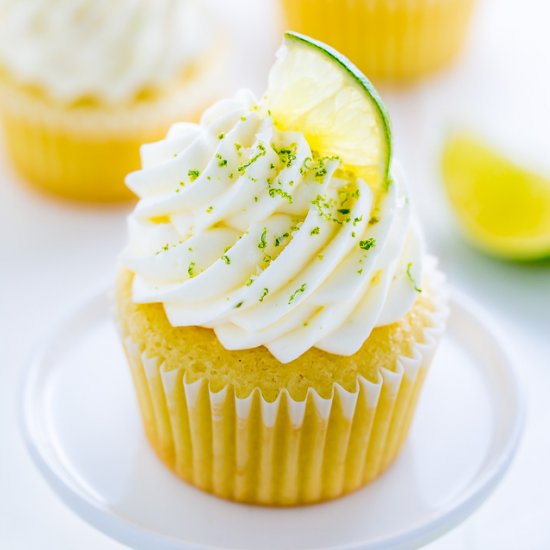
(388, 39)
(83, 84)
(276, 306)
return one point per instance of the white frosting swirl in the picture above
(241, 228)
(100, 48)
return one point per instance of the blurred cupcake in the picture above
(276, 307)
(388, 39)
(83, 83)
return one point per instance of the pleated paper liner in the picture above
(387, 39)
(85, 152)
(285, 452)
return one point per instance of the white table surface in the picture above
(53, 253)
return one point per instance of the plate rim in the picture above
(126, 532)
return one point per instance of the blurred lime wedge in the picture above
(315, 90)
(502, 207)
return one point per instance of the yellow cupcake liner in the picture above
(84, 152)
(285, 452)
(386, 39)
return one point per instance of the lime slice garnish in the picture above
(317, 91)
(502, 207)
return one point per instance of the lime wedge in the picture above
(316, 90)
(502, 207)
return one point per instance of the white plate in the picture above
(81, 424)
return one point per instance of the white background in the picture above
(53, 253)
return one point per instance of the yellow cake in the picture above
(388, 39)
(76, 105)
(189, 390)
(275, 303)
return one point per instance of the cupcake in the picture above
(83, 84)
(388, 39)
(275, 303)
